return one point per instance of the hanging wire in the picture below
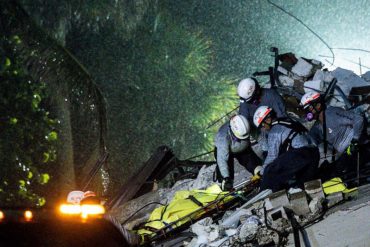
(222, 117)
(306, 26)
(351, 49)
(200, 155)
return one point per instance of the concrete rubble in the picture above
(249, 226)
(264, 220)
(165, 195)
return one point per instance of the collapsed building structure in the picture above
(253, 218)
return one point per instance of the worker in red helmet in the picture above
(291, 154)
(341, 131)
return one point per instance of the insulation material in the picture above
(302, 68)
(314, 85)
(347, 80)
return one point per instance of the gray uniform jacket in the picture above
(226, 145)
(341, 128)
(277, 136)
(270, 98)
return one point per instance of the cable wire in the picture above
(306, 26)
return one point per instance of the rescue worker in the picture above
(252, 96)
(338, 129)
(290, 151)
(232, 141)
(75, 197)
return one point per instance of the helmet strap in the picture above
(233, 136)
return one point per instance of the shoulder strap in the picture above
(295, 129)
(291, 124)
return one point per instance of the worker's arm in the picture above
(274, 142)
(277, 103)
(223, 152)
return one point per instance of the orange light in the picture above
(70, 209)
(91, 209)
(83, 210)
(28, 215)
(2, 215)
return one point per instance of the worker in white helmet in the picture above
(232, 141)
(291, 154)
(341, 131)
(252, 96)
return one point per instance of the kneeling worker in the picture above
(342, 130)
(232, 141)
(290, 152)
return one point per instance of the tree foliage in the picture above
(73, 98)
(156, 73)
(28, 136)
(160, 86)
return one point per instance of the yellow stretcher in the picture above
(185, 207)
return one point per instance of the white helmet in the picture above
(75, 196)
(260, 114)
(309, 98)
(239, 125)
(246, 88)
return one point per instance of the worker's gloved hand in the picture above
(258, 171)
(227, 184)
(255, 177)
(352, 148)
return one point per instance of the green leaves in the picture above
(36, 101)
(28, 139)
(7, 62)
(13, 120)
(44, 178)
(52, 136)
(179, 93)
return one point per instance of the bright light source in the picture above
(91, 209)
(2, 215)
(28, 215)
(70, 209)
(83, 210)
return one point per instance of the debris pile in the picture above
(269, 220)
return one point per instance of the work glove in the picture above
(227, 184)
(352, 148)
(257, 173)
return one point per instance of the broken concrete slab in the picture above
(298, 203)
(277, 213)
(234, 219)
(207, 230)
(249, 228)
(277, 199)
(314, 189)
(316, 205)
(334, 198)
(347, 227)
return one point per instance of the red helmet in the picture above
(309, 98)
(89, 193)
